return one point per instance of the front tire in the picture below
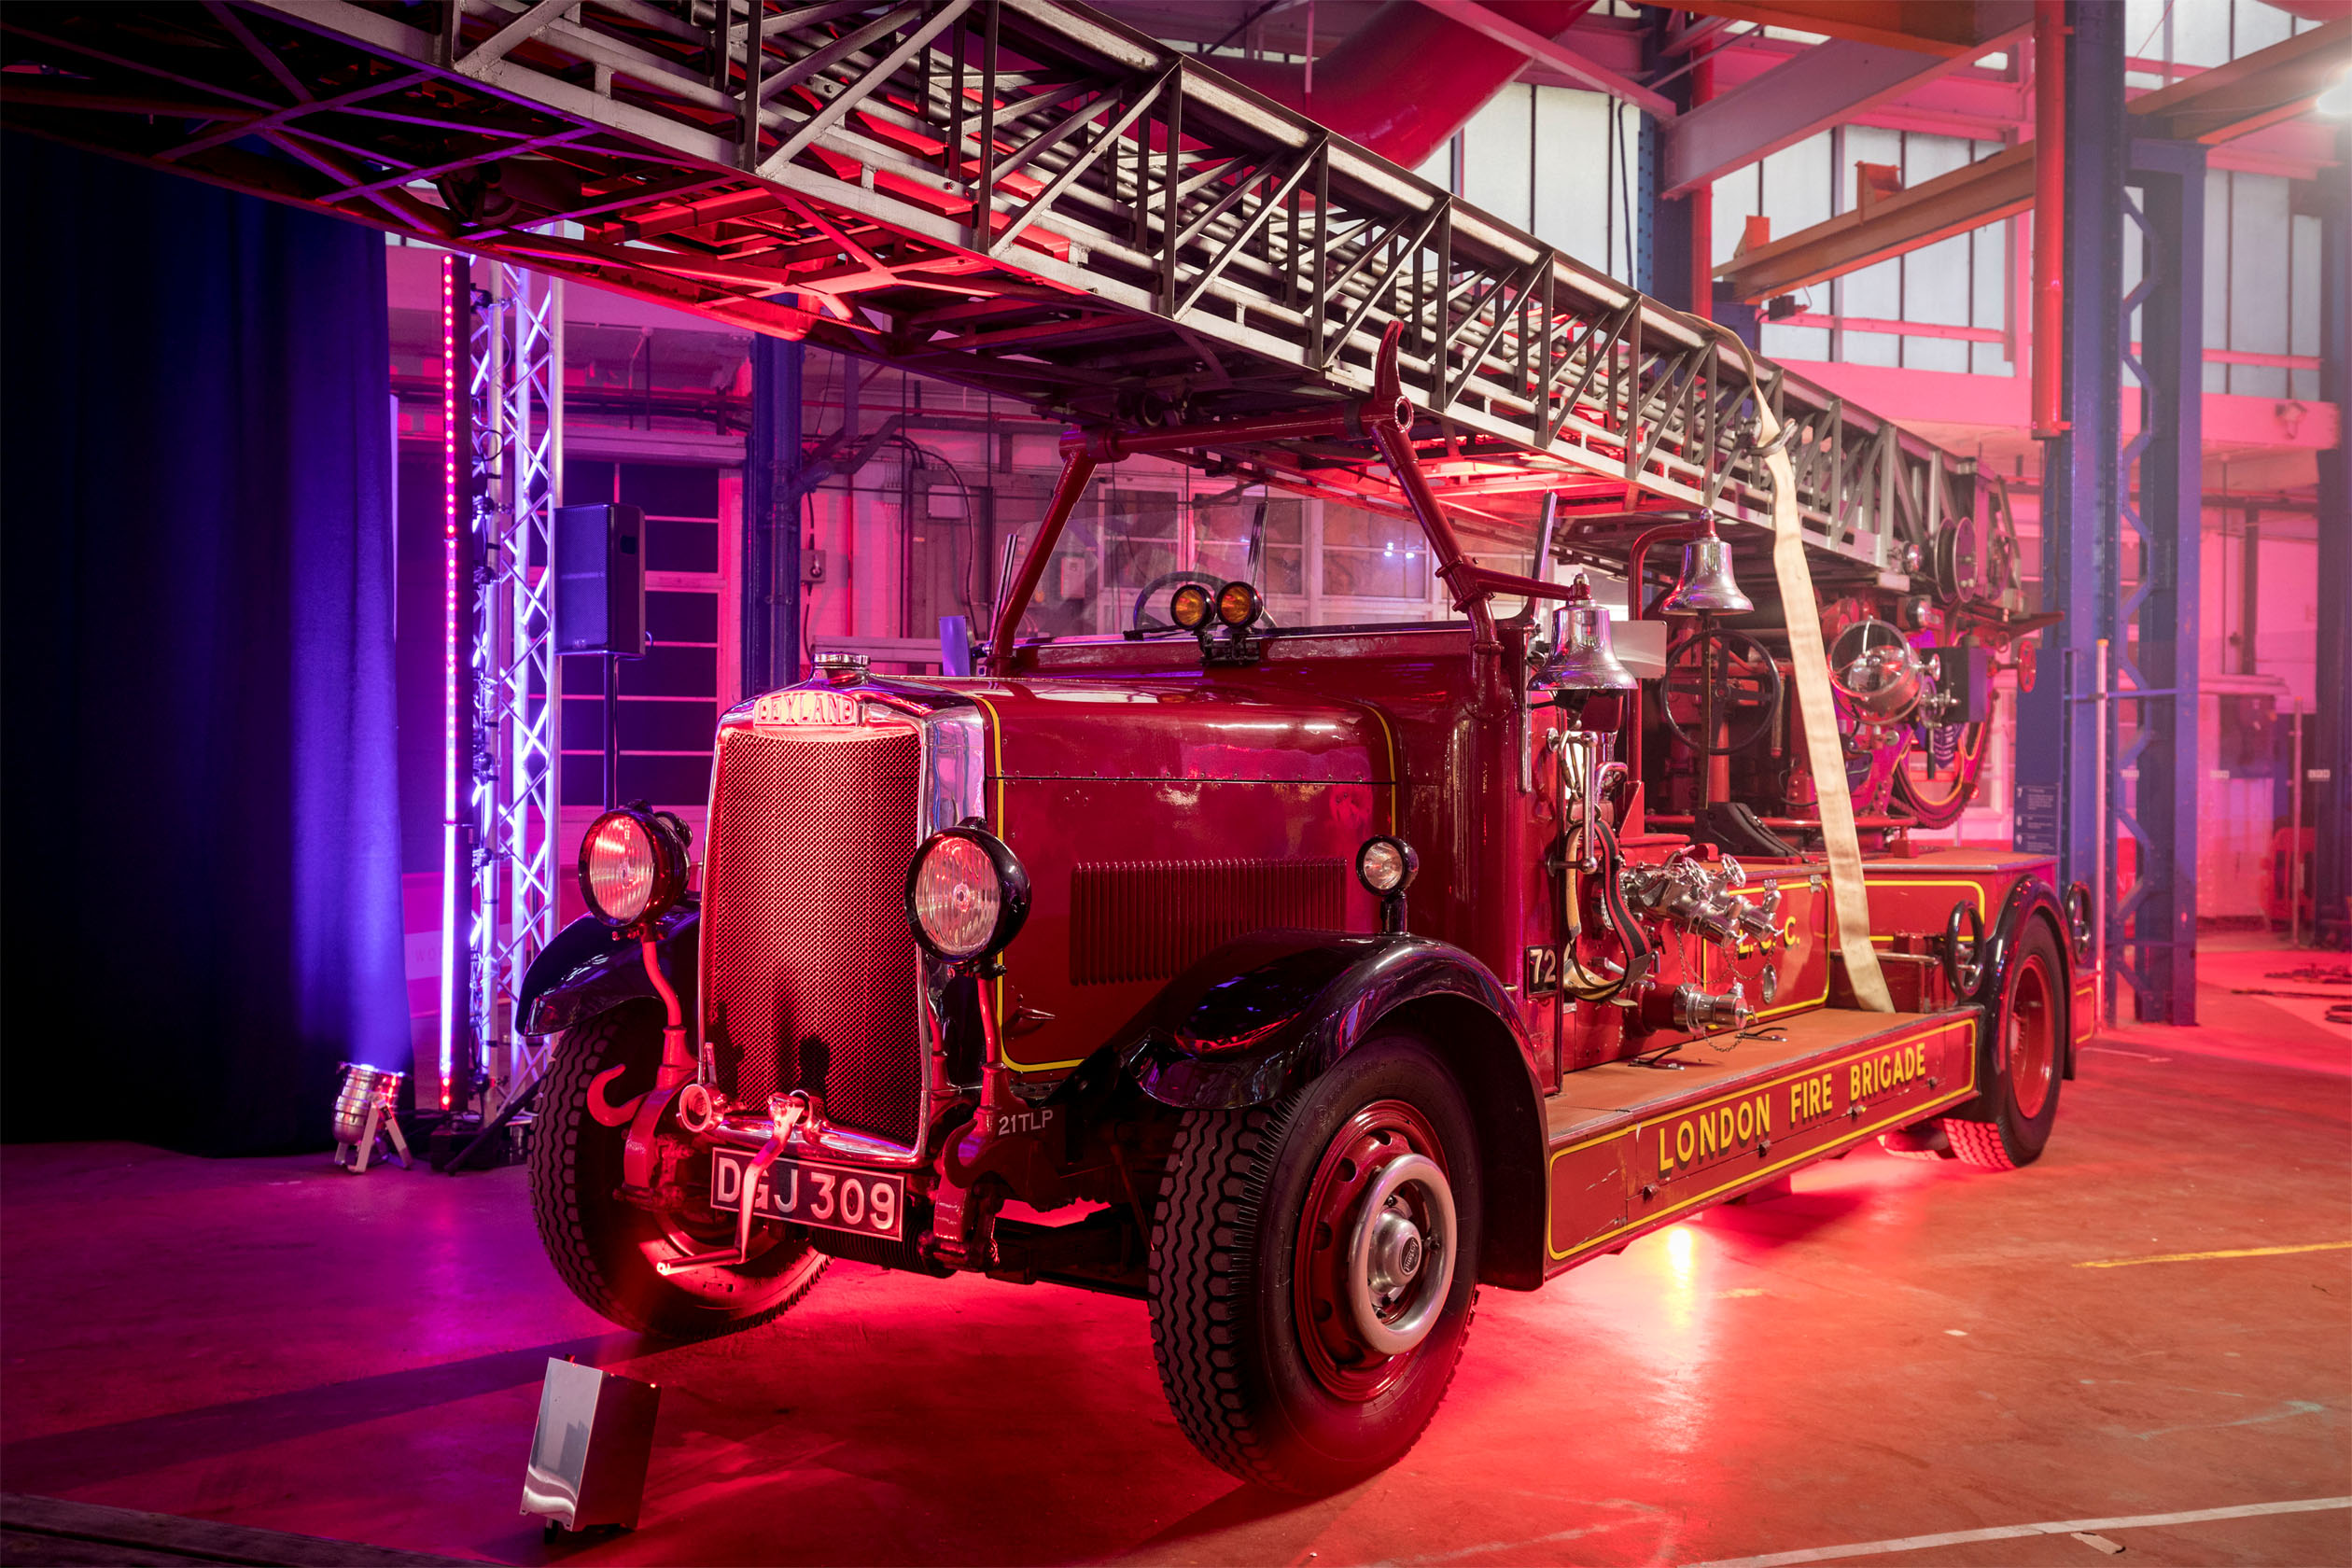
(2027, 1053)
(604, 1248)
(1314, 1266)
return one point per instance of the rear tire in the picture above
(1277, 1366)
(603, 1248)
(1924, 1142)
(2026, 1056)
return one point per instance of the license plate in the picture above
(865, 1202)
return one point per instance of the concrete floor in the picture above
(1896, 1349)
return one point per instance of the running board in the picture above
(1635, 1147)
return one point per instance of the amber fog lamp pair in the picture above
(1386, 867)
(633, 865)
(966, 895)
(1235, 604)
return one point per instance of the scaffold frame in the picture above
(515, 791)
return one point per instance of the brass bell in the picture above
(1706, 584)
(1581, 658)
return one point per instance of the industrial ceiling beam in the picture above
(1984, 192)
(2250, 93)
(1559, 56)
(1826, 85)
(2247, 95)
(1952, 27)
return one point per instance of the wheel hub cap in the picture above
(1375, 1259)
(1398, 1266)
(1395, 1257)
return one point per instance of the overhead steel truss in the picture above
(1018, 195)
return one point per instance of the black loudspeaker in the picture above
(600, 580)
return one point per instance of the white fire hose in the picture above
(1849, 897)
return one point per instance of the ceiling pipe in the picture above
(1403, 83)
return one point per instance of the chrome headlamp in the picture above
(1386, 865)
(966, 894)
(633, 865)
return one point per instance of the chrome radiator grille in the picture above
(808, 967)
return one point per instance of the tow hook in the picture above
(784, 1113)
(1001, 1151)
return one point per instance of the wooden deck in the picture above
(1631, 1147)
(1597, 1097)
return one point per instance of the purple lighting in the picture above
(455, 875)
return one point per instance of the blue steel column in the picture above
(2155, 771)
(2328, 761)
(2056, 799)
(771, 588)
(1664, 259)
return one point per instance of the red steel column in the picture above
(2050, 194)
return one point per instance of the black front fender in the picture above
(2031, 898)
(1258, 1017)
(589, 969)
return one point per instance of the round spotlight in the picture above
(1190, 607)
(1386, 866)
(633, 865)
(966, 894)
(1237, 604)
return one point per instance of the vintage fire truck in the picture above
(1301, 980)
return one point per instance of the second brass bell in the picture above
(1706, 585)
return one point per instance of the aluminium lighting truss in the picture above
(515, 778)
(1018, 195)
(502, 439)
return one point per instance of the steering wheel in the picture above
(1725, 676)
(1156, 592)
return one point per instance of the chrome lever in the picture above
(784, 1113)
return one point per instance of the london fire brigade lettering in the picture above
(1886, 1071)
(1814, 1097)
(1724, 1129)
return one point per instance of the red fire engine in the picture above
(1301, 980)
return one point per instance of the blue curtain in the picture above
(202, 909)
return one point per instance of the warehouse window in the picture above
(1556, 162)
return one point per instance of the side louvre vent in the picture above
(1149, 920)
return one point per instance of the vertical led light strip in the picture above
(456, 878)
